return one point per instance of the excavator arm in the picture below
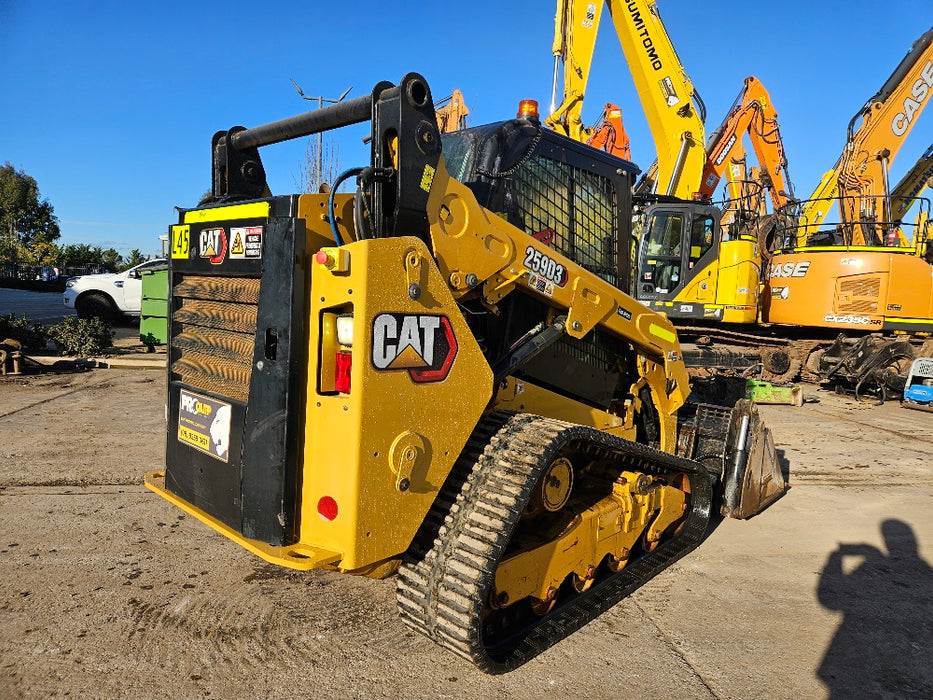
(752, 113)
(918, 178)
(609, 135)
(575, 27)
(452, 113)
(887, 119)
(674, 111)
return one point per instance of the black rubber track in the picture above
(445, 580)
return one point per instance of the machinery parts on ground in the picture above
(871, 367)
(441, 372)
(11, 357)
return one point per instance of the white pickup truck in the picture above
(109, 296)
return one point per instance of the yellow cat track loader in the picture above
(438, 375)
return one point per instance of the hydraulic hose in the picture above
(330, 200)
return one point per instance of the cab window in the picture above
(701, 238)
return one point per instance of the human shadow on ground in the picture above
(884, 644)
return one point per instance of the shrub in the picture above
(81, 336)
(33, 336)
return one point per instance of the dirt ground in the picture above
(107, 591)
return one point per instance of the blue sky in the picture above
(111, 105)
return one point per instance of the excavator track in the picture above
(444, 585)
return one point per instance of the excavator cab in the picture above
(677, 252)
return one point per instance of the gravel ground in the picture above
(108, 591)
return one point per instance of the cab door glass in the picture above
(701, 239)
(663, 253)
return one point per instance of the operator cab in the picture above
(563, 193)
(577, 201)
(678, 241)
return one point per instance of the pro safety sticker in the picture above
(246, 243)
(204, 423)
(423, 345)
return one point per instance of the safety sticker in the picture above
(181, 242)
(204, 423)
(212, 244)
(246, 242)
(427, 177)
(540, 284)
(423, 345)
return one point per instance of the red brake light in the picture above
(344, 361)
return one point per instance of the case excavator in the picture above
(440, 375)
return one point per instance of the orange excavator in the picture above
(609, 134)
(853, 275)
(752, 113)
(452, 113)
(887, 119)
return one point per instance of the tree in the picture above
(40, 254)
(111, 259)
(25, 219)
(135, 258)
(80, 255)
(317, 168)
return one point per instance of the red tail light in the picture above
(327, 508)
(344, 361)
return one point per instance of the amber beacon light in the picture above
(528, 109)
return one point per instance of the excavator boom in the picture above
(887, 119)
(752, 113)
(674, 111)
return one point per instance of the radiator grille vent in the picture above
(859, 295)
(214, 331)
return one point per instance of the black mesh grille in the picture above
(571, 210)
(597, 349)
(213, 333)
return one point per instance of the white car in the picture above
(109, 295)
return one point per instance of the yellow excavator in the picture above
(907, 192)
(674, 110)
(439, 373)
